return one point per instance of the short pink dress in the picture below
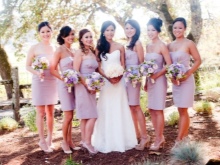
(44, 93)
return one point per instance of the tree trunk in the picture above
(5, 71)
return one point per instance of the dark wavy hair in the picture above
(42, 24)
(81, 45)
(64, 32)
(136, 36)
(103, 46)
(180, 19)
(156, 23)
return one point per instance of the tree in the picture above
(19, 17)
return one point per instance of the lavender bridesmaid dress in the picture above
(183, 94)
(44, 93)
(67, 99)
(131, 60)
(86, 102)
(156, 91)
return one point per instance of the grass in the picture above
(8, 124)
(188, 153)
(30, 120)
(209, 80)
(172, 119)
(203, 107)
(143, 103)
(148, 162)
(70, 161)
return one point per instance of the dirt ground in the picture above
(20, 146)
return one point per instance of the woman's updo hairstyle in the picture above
(64, 32)
(156, 23)
(180, 19)
(42, 24)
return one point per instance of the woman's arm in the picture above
(122, 56)
(197, 60)
(140, 51)
(166, 55)
(100, 67)
(29, 61)
(54, 64)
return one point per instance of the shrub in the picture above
(187, 153)
(75, 123)
(30, 120)
(203, 107)
(7, 123)
(143, 103)
(172, 119)
(69, 161)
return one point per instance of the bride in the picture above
(114, 129)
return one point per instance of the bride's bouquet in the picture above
(95, 81)
(132, 75)
(147, 68)
(71, 77)
(114, 70)
(176, 71)
(40, 63)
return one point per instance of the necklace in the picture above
(69, 49)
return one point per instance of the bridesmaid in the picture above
(64, 58)
(44, 94)
(157, 51)
(85, 63)
(134, 55)
(181, 49)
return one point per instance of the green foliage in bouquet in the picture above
(187, 153)
(8, 124)
(172, 119)
(203, 107)
(30, 120)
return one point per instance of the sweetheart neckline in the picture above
(113, 51)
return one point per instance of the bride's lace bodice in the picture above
(112, 58)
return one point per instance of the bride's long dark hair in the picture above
(103, 46)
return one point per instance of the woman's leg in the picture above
(135, 121)
(184, 122)
(68, 116)
(141, 121)
(82, 129)
(157, 117)
(50, 121)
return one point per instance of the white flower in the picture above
(150, 70)
(155, 66)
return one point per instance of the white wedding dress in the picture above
(114, 129)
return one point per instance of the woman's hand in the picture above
(155, 76)
(40, 75)
(115, 80)
(185, 77)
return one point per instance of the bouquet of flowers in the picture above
(40, 63)
(95, 81)
(132, 75)
(114, 70)
(71, 77)
(176, 71)
(147, 68)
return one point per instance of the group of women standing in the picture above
(116, 122)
